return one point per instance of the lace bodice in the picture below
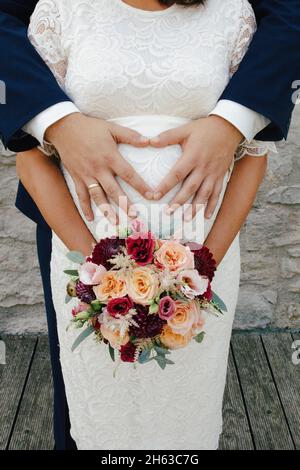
(115, 60)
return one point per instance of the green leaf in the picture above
(219, 302)
(153, 308)
(71, 272)
(199, 338)
(96, 305)
(67, 299)
(161, 351)
(144, 356)
(76, 257)
(161, 361)
(87, 332)
(111, 352)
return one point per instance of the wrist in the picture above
(228, 129)
(53, 132)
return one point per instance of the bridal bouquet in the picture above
(143, 296)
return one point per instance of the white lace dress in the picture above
(149, 70)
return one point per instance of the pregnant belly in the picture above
(152, 165)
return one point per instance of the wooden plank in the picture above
(33, 428)
(287, 378)
(236, 431)
(19, 352)
(267, 420)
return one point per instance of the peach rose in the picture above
(173, 340)
(142, 285)
(174, 256)
(114, 336)
(188, 318)
(113, 284)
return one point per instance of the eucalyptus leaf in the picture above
(111, 352)
(76, 257)
(161, 351)
(87, 332)
(161, 361)
(219, 302)
(199, 338)
(71, 272)
(144, 356)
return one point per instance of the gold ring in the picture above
(93, 186)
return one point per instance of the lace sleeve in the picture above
(255, 148)
(44, 33)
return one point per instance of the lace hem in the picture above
(255, 148)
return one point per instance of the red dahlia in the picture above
(85, 293)
(128, 352)
(107, 248)
(204, 262)
(149, 325)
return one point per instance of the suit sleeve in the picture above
(265, 77)
(30, 86)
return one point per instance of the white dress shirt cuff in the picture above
(247, 121)
(40, 123)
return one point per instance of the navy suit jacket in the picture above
(263, 82)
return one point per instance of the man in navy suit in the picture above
(257, 102)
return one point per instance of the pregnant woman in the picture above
(148, 70)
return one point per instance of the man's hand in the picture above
(208, 147)
(88, 149)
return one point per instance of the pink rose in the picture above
(91, 273)
(138, 226)
(191, 283)
(166, 307)
(174, 256)
(81, 307)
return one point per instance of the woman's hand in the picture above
(208, 147)
(88, 149)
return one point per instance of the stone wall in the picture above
(270, 282)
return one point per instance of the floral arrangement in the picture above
(143, 296)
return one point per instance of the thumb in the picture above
(170, 137)
(125, 135)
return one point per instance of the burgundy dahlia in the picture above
(204, 262)
(149, 325)
(106, 249)
(119, 306)
(85, 293)
(127, 352)
(141, 248)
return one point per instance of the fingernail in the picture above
(157, 196)
(155, 139)
(209, 215)
(144, 139)
(170, 209)
(148, 195)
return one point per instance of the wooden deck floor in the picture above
(261, 404)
